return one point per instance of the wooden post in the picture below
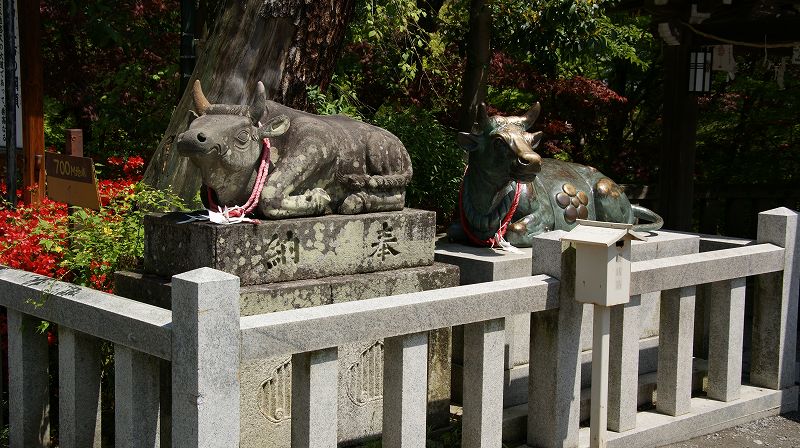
(10, 74)
(74, 143)
(477, 67)
(676, 175)
(73, 147)
(32, 92)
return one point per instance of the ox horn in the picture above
(200, 101)
(531, 116)
(481, 118)
(261, 103)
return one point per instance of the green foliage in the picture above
(99, 243)
(749, 129)
(392, 28)
(437, 160)
(396, 51)
(510, 98)
(4, 431)
(340, 98)
(114, 237)
(405, 59)
(111, 65)
(566, 37)
(54, 129)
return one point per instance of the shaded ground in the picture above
(779, 431)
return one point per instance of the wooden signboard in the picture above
(72, 180)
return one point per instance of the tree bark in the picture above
(477, 69)
(286, 44)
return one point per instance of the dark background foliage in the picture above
(111, 69)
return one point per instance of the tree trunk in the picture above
(286, 44)
(477, 69)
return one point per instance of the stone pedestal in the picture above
(483, 264)
(300, 263)
(291, 249)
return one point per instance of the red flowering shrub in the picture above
(22, 246)
(134, 167)
(87, 246)
(130, 168)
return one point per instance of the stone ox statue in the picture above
(510, 192)
(316, 164)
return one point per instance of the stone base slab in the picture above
(290, 249)
(266, 383)
(259, 299)
(655, 429)
(707, 416)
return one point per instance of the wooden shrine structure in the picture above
(687, 25)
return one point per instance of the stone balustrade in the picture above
(203, 340)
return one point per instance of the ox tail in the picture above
(655, 221)
(377, 182)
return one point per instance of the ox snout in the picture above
(194, 142)
(526, 166)
(530, 160)
(524, 162)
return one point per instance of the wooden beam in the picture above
(32, 92)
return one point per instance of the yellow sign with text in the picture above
(72, 180)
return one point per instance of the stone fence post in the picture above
(205, 359)
(554, 382)
(775, 307)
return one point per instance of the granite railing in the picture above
(311, 336)
(773, 262)
(204, 361)
(205, 340)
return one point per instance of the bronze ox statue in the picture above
(510, 192)
(316, 164)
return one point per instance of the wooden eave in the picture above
(752, 21)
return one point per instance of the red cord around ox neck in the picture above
(252, 201)
(493, 241)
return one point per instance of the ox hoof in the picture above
(353, 204)
(518, 227)
(318, 198)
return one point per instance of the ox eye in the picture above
(243, 136)
(499, 143)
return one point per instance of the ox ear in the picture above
(534, 138)
(468, 141)
(274, 127)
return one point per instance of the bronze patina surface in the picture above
(553, 193)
